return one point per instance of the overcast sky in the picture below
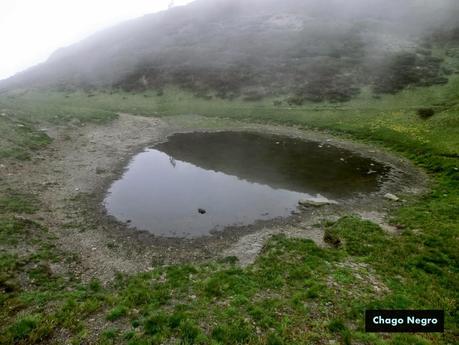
(30, 30)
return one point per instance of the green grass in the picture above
(295, 293)
(383, 119)
(19, 138)
(16, 202)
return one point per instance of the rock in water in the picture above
(392, 197)
(316, 203)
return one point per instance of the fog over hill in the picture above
(307, 49)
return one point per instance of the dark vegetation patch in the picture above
(425, 113)
(445, 37)
(332, 237)
(408, 69)
(308, 70)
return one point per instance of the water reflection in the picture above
(236, 177)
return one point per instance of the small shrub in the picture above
(425, 113)
(116, 313)
(155, 324)
(189, 331)
(336, 326)
(95, 285)
(110, 334)
(237, 332)
(313, 291)
(23, 328)
(274, 339)
(232, 260)
(218, 333)
(331, 237)
(176, 319)
(295, 100)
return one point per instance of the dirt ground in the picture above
(71, 176)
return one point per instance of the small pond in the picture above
(197, 183)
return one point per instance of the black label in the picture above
(404, 321)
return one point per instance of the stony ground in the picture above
(71, 175)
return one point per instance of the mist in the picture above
(320, 50)
(31, 30)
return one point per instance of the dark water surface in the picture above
(236, 177)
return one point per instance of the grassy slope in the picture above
(295, 292)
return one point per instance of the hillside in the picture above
(306, 50)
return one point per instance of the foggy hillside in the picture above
(311, 50)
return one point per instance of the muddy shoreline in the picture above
(72, 177)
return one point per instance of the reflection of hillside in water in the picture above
(280, 162)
